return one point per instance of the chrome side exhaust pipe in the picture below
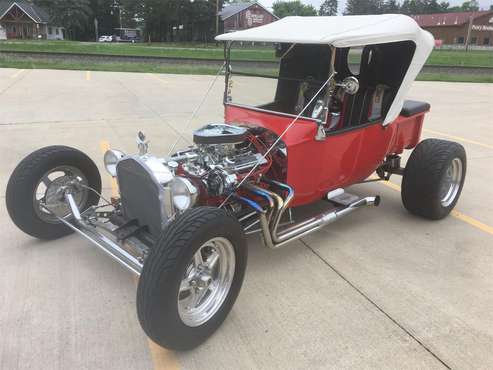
(274, 239)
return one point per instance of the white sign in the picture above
(253, 18)
(481, 27)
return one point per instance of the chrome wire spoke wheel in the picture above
(50, 190)
(451, 182)
(206, 282)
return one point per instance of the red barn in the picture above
(452, 28)
(241, 16)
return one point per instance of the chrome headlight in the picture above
(111, 158)
(183, 193)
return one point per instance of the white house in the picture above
(55, 33)
(3, 33)
(21, 19)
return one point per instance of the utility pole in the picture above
(120, 16)
(96, 28)
(469, 28)
(217, 18)
(116, 5)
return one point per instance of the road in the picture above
(379, 289)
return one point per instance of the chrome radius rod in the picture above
(275, 238)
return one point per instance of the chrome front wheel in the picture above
(206, 282)
(191, 278)
(50, 189)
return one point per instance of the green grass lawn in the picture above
(471, 58)
(455, 77)
(110, 67)
(199, 51)
(186, 69)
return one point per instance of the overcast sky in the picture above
(483, 4)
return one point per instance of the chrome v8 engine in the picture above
(221, 155)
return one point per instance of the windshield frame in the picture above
(325, 95)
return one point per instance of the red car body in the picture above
(344, 158)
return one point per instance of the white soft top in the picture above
(348, 31)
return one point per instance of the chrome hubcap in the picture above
(451, 182)
(206, 282)
(50, 191)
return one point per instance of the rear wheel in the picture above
(192, 277)
(433, 178)
(39, 181)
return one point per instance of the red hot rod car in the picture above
(180, 220)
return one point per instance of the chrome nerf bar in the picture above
(107, 245)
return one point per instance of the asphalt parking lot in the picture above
(379, 289)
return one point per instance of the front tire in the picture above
(192, 278)
(433, 178)
(37, 179)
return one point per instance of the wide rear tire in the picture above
(433, 178)
(181, 301)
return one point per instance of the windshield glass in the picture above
(284, 79)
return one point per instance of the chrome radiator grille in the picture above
(142, 196)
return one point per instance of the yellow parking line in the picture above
(162, 358)
(391, 185)
(104, 146)
(458, 138)
(458, 215)
(471, 221)
(18, 73)
(88, 75)
(157, 78)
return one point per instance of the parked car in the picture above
(180, 220)
(105, 38)
(129, 39)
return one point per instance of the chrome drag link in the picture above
(103, 242)
(273, 238)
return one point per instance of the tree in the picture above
(328, 7)
(357, 7)
(424, 7)
(470, 6)
(391, 6)
(286, 8)
(131, 11)
(73, 15)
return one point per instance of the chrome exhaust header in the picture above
(275, 238)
